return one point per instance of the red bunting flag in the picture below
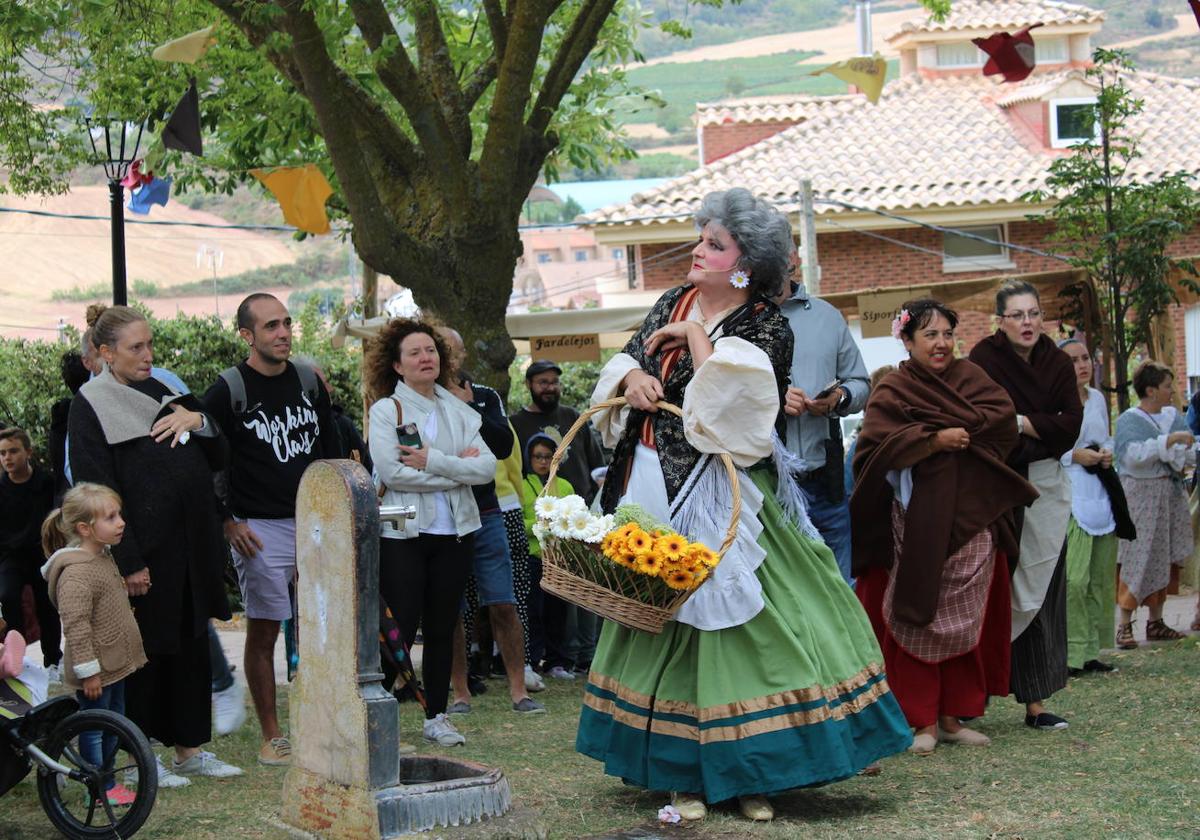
(135, 178)
(1009, 55)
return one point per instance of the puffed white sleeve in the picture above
(610, 423)
(732, 402)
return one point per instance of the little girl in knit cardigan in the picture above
(103, 643)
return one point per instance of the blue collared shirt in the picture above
(824, 350)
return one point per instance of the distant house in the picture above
(945, 146)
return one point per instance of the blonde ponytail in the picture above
(82, 504)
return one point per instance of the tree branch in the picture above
(479, 81)
(433, 54)
(576, 46)
(498, 25)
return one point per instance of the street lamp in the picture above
(116, 167)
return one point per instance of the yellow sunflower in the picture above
(613, 544)
(649, 563)
(670, 546)
(625, 558)
(639, 542)
(701, 554)
(627, 530)
(680, 579)
(699, 574)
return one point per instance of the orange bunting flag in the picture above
(187, 49)
(865, 73)
(301, 192)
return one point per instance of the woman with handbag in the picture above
(769, 677)
(428, 453)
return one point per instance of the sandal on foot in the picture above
(756, 808)
(1125, 640)
(1159, 631)
(690, 806)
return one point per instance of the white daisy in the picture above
(571, 504)
(546, 507)
(580, 520)
(739, 279)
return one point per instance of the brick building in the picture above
(944, 146)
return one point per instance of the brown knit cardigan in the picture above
(101, 634)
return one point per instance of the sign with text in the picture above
(877, 310)
(565, 348)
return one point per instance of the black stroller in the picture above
(73, 791)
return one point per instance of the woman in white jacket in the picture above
(424, 563)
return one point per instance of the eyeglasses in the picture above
(542, 457)
(1018, 317)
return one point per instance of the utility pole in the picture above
(808, 240)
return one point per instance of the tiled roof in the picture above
(758, 109)
(937, 142)
(1002, 14)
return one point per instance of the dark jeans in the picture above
(15, 573)
(536, 641)
(222, 677)
(423, 580)
(96, 748)
(832, 519)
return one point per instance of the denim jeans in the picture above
(98, 754)
(832, 519)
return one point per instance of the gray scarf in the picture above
(124, 413)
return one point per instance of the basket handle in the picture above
(618, 402)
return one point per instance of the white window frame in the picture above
(980, 56)
(1057, 142)
(1040, 45)
(1003, 260)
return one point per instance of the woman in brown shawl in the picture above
(1040, 379)
(930, 464)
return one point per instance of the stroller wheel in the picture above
(103, 750)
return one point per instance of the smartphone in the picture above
(829, 389)
(408, 435)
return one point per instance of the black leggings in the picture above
(422, 580)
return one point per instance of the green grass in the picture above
(683, 85)
(1129, 767)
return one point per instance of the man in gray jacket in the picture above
(829, 381)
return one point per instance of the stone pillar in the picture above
(345, 743)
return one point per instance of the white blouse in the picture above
(1090, 504)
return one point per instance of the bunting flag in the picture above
(182, 130)
(865, 73)
(1195, 4)
(1009, 55)
(158, 191)
(135, 178)
(187, 49)
(301, 192)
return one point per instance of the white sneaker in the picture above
(229, 709)
(54, 674)
(533, 680)
(440, 730)
(205, 763)
(558, 672)
(166, 779)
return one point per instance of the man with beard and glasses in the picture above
(278, 420)
(570, 632)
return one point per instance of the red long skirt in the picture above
(958, 686)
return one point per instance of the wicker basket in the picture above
(560, 573)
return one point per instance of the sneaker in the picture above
(529, 706)
(476, 685)
(166, 779)
(439, 730)
(229, 708)
(558, 672)
(458, 707)
(1098, 667)
(54, 674)
(205, 763)
(1045, 721)
(533, 680)
(276, 753)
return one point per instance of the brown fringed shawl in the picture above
(758, 322)
(955, 494)
(1043, 389)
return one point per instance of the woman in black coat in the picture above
(158, 450)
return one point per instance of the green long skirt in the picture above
(794, 697)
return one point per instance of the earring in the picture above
(739, 279)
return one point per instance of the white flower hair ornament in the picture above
(900, 322)
(739, 279)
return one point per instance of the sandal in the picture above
(1125, 640)
(1159, 631)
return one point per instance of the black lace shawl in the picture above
(758, 322)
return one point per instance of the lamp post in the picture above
(116, 167)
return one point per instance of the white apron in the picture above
(1042, 538)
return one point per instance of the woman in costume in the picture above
(1153, 447)
(1099, 516)
(1040, 379)
(158, 450)
(768, 678)
(932, 517)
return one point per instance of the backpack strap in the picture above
(237, 389)
(308, 380)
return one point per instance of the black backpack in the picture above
(237, 385)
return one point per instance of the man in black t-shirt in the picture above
(26, 498)
(278, 421)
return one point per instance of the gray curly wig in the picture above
(763, 234)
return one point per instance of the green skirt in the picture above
(792, 698)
